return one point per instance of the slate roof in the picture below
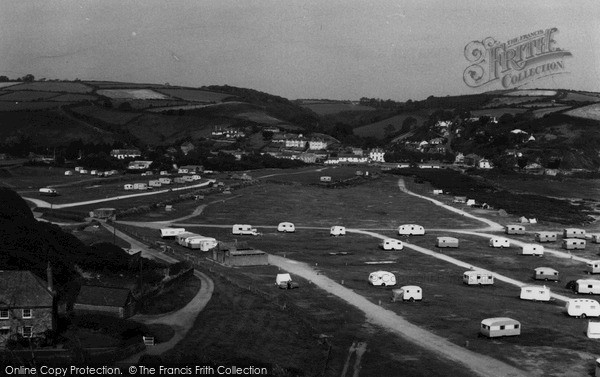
(103, 296)
(22, 289)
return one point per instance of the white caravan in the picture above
(286, 227)
(408, 293)
(589, 286)
(244, 229)
(577, 307)
(533, 249)
(337, 231)
(382, 278)
(171, 232)
(593, 267)
(535, 293)
(411, 230)
(391, 244)
(478, 278)
(499, 242)
(201, 243)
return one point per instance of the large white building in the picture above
(377, 155)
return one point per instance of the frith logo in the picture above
(516, 62)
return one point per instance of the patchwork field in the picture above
(105, 115)
(531, 92)
(195, 95)
(334, 107)
(587, 112)
(27, 96)
(377, 129)
(49, 86)
(131, 93)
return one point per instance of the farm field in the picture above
(105, 115)
(334, 107)
(26, 96)
(497, 112)
(24, 106)
(538, 113)
(587, 112)
(531, 92)
(571, 188)
(259, 117)
(194, 94)
(131, 93)
(377, 129)
(512, 100)
(580, 97)
(51, 86)
(74, 97)
(7, 84)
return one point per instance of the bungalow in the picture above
(115, 302)
(26, 305)
(139, 165)
(122, 154)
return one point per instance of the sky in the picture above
(337, 49)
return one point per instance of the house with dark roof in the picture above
(26, 305)
(116, 302)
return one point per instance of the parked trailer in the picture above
(535, 293)
(244, 229)
(593, 267)
(573, 233)
(514, 229)
(48, 191)
(407, 293)
(546, 237)
(382, 278)
(478, 278)
(179, 180)
(325, 178)
(499, 242)
(182, 237)
(500, 326)
(337, 231)
(165, 181)
(573, 244)
(128, 186)
(446, 242)
(286, 227)
(154, 183)
(171, 232)
(578, 307)
(201, 243)
(391, 244)
(411, 230)
(532, 249)
(589, 286)
(545, 273)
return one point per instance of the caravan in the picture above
(201, 243)
(593, 267)
(589, 286)
(48, 191)
(546, 237)
(391, 244)
(514, 229)
(500, 326)
(573, 244)
(286, 227)
(478, 278)
(337, 231)
(407, 293)
(535, 293)
(545, 273)
(382, 278)
(533, 249)
(244, 229)
(582, 308)
(446, 242)
(411, 230)
(573, 233)
(499, 242)
(171, 232)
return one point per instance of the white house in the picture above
(317, 144)
(122, 154)
(377, 155)
(484, 164)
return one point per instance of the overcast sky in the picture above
(342, 49)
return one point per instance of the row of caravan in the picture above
(534, 249)
(189, 239)
(403, 230)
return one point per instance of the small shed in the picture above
(546, 237)
(116, 302)
(574, 233)
(545, 273)
(573, 244)
(532, 249)
(446, 242)
(500, 326)
(514, 229)
(535, 293)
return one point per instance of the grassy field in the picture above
(572, 188)
(531, 92)
(497, 112)
(74, 97)
(106, 115)
(377, 129)
(335, 107)
(587, 112)
(259, 117)
(579, 97)
(27, 96)
(51, 86)
(131, 93)
(25, 106)
(195, 95)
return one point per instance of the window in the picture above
(502, 327)
(27, 331)
(516, 326)
(27, 313)
(4, 330)
(3, 313)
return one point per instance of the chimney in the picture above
(49, 278)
